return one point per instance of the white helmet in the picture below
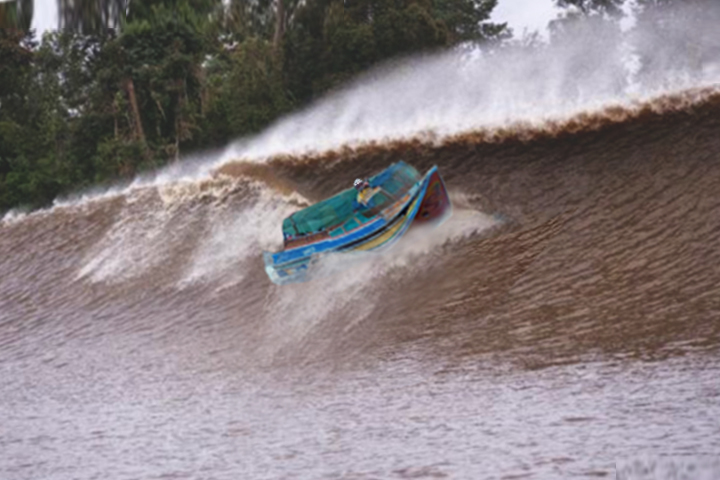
(357, 183)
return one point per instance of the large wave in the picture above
(535, 156)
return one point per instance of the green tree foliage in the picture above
(162, 57)
(467, 21)
(32, 124)
(252, 93)
(91, 16)
(16, 14)
(332, 40)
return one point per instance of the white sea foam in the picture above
(12, 216)
(235, 236)
(595, 67)
(157, 222)
(135, 244)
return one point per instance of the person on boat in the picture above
(360, 184)
(365, 193)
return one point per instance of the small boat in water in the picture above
(391, 201)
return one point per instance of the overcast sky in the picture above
(45, 15)
(519, 14)
(525, 14)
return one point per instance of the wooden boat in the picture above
(400, 196)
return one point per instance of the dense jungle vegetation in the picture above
(120, 87)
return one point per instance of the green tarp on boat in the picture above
(394, 181)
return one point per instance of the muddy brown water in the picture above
(565, 323)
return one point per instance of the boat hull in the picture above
(427, 202)
(435, 206)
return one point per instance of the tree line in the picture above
(123, 86)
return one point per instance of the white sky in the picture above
(520, 14)
(525, 14)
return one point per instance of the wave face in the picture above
(564, 322)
